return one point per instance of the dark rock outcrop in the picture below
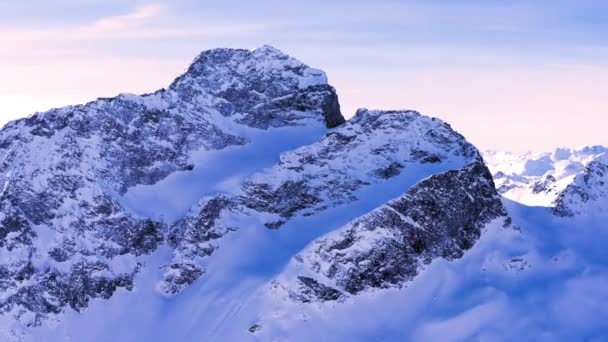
(440, 217)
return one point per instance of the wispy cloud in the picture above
(132, 21)
(145, 22)
(128, 34)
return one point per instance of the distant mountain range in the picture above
(572, 181)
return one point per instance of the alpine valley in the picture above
(238, 204)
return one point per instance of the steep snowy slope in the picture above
(541, 281)
(538, 179)
(66, 233)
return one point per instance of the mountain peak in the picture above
(253, 83)
(266, 63)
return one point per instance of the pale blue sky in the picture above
(508, 74)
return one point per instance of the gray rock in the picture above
(440, 217)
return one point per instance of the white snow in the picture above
(545, 281)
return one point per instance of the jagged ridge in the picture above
(370, 148)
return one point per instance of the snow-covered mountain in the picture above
(78, 180)
(239, 204)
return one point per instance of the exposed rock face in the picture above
(262, 88)
(440, 217)
(62, 228)
(543, 185)
(588, 193)
(371, 147)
